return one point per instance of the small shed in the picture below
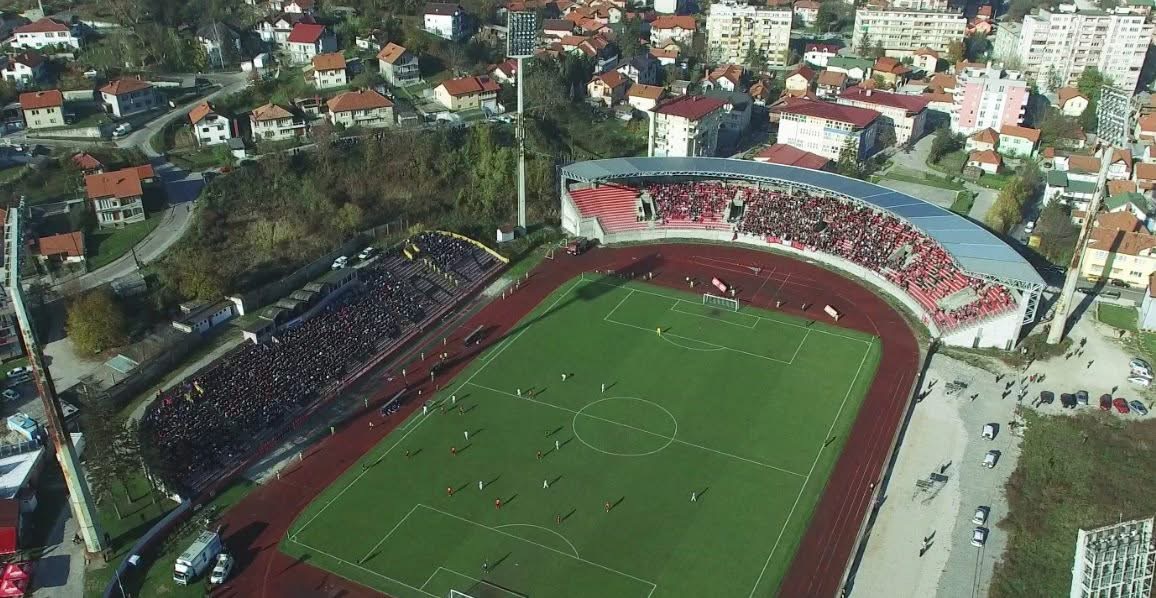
(505, 233)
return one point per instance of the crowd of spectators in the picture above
(213, 419)
(692, 201)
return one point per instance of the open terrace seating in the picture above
(615, 206)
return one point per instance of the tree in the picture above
(864, 44)
(1007, 209)
(1057, 234)
(1052, 78)
(96, 322)
(942, 144)
(1056, 126)
(755, 60)
(878, 51)
(630, 38)
(976, 47)
(886, 136)
(848, 164)
(956, 51)
(832, 16)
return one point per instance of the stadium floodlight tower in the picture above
(83, 507)
(1113, 112)
(521, 41)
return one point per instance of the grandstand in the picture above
(968, 287)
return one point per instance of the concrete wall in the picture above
(80, 95)
(77, 133)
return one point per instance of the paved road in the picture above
(916, 160)
(230, 83)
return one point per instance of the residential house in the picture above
(329, 71)
(1120, 168)
(301, 7)
(271, 122)
(786, 155)
(1072, 180)
(1119, 249)
(398, 66)
(307, 40)
(982, 141)
(1133, 203)
(664, 56)
(118, 197)
(735, 28)
(1146, 127)
(988, 97)
(1071, 102)
(644, 97)
(468, 93)
(1145, 175)
(985, 160)
(926, 60)
(277, 29)
(446, 20)
(856, 69)
(23, 69)
(902, 32)
(61, 248)
(893, 72)
(818, 54)
(126, 97)
(42, 109)
(556, 29)
(363, 108)
(686, 126)
(210, 127)
(45, 33)
(830, 84)
(608, 88)
(87, 163)
(222, 44)
(825, 129)
(799, 81)
(760, 92)
(643, 68)
(906, 115)
(1018, 142)
(727, 77)
(807, 11)
(668, 29)
(601, 51)
(505, 72)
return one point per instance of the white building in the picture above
(365, 108)
(733, 28)
(23, 69)
(398, 66)
(1054, 48)
(307, 40)
(274, 123)
(906, 114)
(44, 33)
(445, 20)
(329, 70)
(686, 126)
(902, 32)
(988, 97)
(209, 126)
(667, 29)
(1116, 560)
(825, 129)
(125, 97)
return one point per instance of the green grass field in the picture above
(746, 409)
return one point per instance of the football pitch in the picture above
(744, 411)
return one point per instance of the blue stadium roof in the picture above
(976, 249)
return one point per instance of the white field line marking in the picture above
(369, 571)
(702, 342)
(642, 430)
(800, 347)
(430, 578)
(814, 463)
(770, 320)
(678, 302)
(551, 549)
(619, 304)
(386, 537)
(489, 359)
(473, 580)
(545, 529)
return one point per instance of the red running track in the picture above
(255, 526)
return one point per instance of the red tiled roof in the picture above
(1148, 122)
(925, 51)
(441, 8)
(28, 58)
(270, 112)
(358, 100)
(86, 161)
(855, 116)
(806, 5)
(69, 244)
(909, 103)
(803, 71)
(123, 183)
(612, 79)
(984, 157)
(306, 33)
(1032, 135)
(660, 53)
(391, 53)
(1123, 155)
(887, 64)
(1066, 93)
(825, 48)
(1119, 187)
(469, 85)
(33, 100)
(650, 92)
(332, 61)
(44, 25)
(1088, 164)
(689, 107)
(988, 135)
(671, 22)
(781, 153)
(1107, 237)
(942, 81)
(1145, 172)
(832, 79)
(126, 85)
(199, 112)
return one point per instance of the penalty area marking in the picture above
(473, 580)
(545, 529)
(360, 568)
(678, 302)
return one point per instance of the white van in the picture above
(989, 431)
(990, 459)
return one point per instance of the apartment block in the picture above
(1054, 48)
(906, 115)
(988, 97)
(732, 28)
(902, 32)
(686, 126)
(825, 129)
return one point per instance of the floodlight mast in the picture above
(521, 40)
(79, 495)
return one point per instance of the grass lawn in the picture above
(11, 173)
(1116, 316)
(923, 178)
(994, 181)
(733, 407)
(201, 158)
(1075, 472)
(952, 163)
(107, 245)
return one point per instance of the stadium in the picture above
(654, 417)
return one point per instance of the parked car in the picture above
(1105, 402)
(980, 516)
(1116, 282)
(1121, 405)
(11, 394)
(1081, 397)
(122, 129)
(1140, 380)
(1029, 227)
(1068, 400)
(1139, 363)
(979, 537)
(24, 370)
(989, 431)
(1138, 407)
(340, 262)
(990, 459)
(222, 569)
(365, 253)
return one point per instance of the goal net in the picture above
(486, 589)
(723, 302)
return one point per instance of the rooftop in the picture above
(33, 100)
(332, 61)
(910, 103)
(788, 155)
(125, 85)
(45, 25)
(358, 100)
(689, 107)
(69, 244)
(857, 117)
(469, 85)
(124, 183)
(306, 33)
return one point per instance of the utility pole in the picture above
(79, 495)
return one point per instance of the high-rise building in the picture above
(988, 97)
(734, 28)
(686, 126)
(901, 32)
(1054, 48)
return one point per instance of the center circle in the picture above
(618, 420)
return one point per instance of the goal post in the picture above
(717, 301)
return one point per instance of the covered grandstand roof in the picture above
(977, 250)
